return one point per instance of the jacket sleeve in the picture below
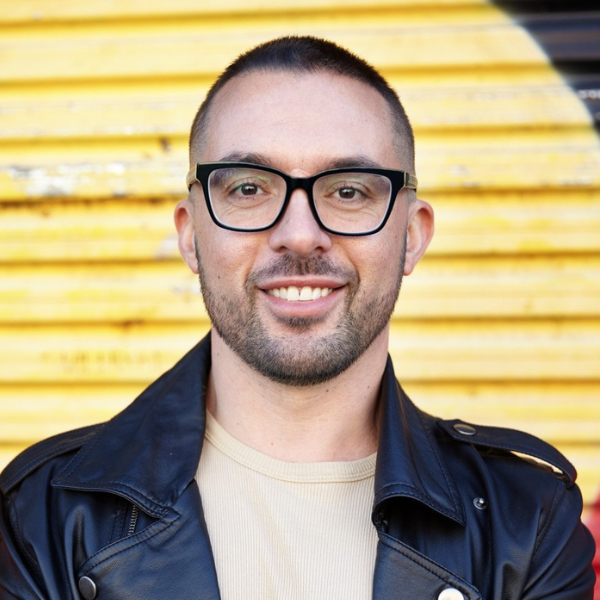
(17, 573)
(561, 567)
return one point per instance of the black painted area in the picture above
(547, 6)
(569, 32)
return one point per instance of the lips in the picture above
(306, 293)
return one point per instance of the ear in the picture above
(184, 222)
(419, 233)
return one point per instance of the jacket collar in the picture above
(409, 463)
(150, 452)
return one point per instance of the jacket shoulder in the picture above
(42, 452)
(500, 439)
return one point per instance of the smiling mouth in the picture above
(293, 293)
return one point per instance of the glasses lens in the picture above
(351, 202)
(246, 198)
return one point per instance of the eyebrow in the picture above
(335, 163)
(352, 161)
(250, 157)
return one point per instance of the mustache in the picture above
(292, 266)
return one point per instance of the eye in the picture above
(248, 189)
(239, 183)
(347, 193)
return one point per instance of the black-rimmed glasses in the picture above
(348, 201)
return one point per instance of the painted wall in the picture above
(500, 324)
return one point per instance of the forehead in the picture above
(300, 121)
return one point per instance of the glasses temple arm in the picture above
(190, 178)
(410, 181)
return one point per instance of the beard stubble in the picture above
(300, 359)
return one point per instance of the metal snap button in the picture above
(450, 594)
(465, 429)
(480, 503)
(87, 588)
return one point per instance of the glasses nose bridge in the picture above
(301, 183)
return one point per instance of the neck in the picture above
(333, 421)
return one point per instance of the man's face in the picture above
(340, 290)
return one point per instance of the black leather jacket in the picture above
(113, 511)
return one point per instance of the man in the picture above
(280, 459)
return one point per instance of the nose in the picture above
(297, 231)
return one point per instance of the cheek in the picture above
(226, 256)
(394, 246)
(379, 260)
(384, 267)
(210, 251)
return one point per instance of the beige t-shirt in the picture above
(286, 531)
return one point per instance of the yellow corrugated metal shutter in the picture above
(499, 324)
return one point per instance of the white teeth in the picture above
(305, 294)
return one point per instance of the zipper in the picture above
(133, 519)
(380, 521)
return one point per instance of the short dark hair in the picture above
(307, 54)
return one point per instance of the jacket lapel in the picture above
(408, 466)
(403, 573)
(149, 454)
(172, 558)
